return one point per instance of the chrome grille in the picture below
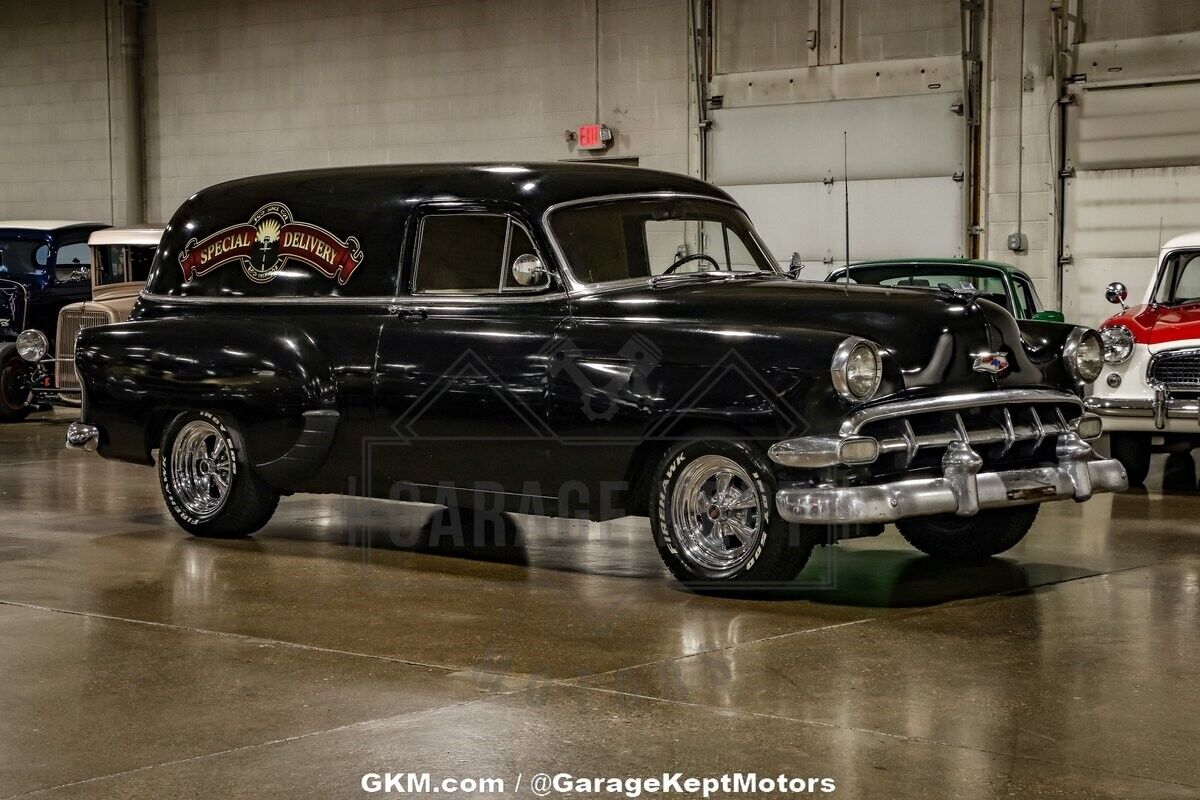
(12, 308)
(1177, 369)
(70, 323)
(1000, 432)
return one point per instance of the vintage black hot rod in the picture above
(579, 340)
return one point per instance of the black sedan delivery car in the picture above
(578, 340)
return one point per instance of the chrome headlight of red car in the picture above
(1118, 344)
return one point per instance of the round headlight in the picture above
(32, 345)
(856, 369)
(1118, 344)
(1084, 355)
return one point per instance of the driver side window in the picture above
(1187, 286)
(472, 253)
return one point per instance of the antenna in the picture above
(846, 190)
(1160, 227)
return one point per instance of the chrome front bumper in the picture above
(1161, 408)
(962, 489)
(81, 436)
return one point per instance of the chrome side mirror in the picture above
(795, 265)
(1116, 293)
(527, 270)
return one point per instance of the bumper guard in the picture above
(81, 436)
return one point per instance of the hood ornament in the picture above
(991, 363)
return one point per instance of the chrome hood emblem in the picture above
(991, 363)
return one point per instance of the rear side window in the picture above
(72, 263)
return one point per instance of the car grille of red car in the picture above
(1178, 370)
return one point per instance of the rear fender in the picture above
(137, 375)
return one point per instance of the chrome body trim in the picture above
(962, 490)
(81, 436)
(814, 452)
(424, 299)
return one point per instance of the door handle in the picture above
(412, 313)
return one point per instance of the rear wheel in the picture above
(1133, 451)
(955, 538)
(14, 393)
(207, 482)
(714, 519)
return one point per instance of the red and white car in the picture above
(1149, 391)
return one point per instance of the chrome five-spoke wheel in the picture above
(716, 513)
(201, 468)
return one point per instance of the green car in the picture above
(1003, 284)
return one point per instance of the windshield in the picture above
(640, 238)
(1180, 281)
(123, 263)
(23, 257)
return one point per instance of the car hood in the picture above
(933, 338)
(1155, 324)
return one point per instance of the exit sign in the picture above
(594, 137)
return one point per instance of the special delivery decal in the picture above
(267, 242)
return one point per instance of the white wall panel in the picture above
(888, 218)
(893, 137)
(1136, 126)
(1113, 231)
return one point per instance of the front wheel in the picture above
(209, 486)
(955, 538)
(714, 520)
(14, 393)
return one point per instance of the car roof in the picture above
(138, 235)
(47, 224)
(1186, 240)
(532, 185)
(921, 262)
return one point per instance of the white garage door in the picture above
(1136, 152)
(784, 164)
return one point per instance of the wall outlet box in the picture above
(1017, 242)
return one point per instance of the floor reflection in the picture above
(906, 578)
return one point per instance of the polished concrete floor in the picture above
(137, 662)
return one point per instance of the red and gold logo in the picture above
(266, 243)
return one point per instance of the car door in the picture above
(463, 362)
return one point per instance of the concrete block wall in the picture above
(1130, 19)
(237, 88)
(1021, 181)
(54, 128)
(762, 34)
(881, 30)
